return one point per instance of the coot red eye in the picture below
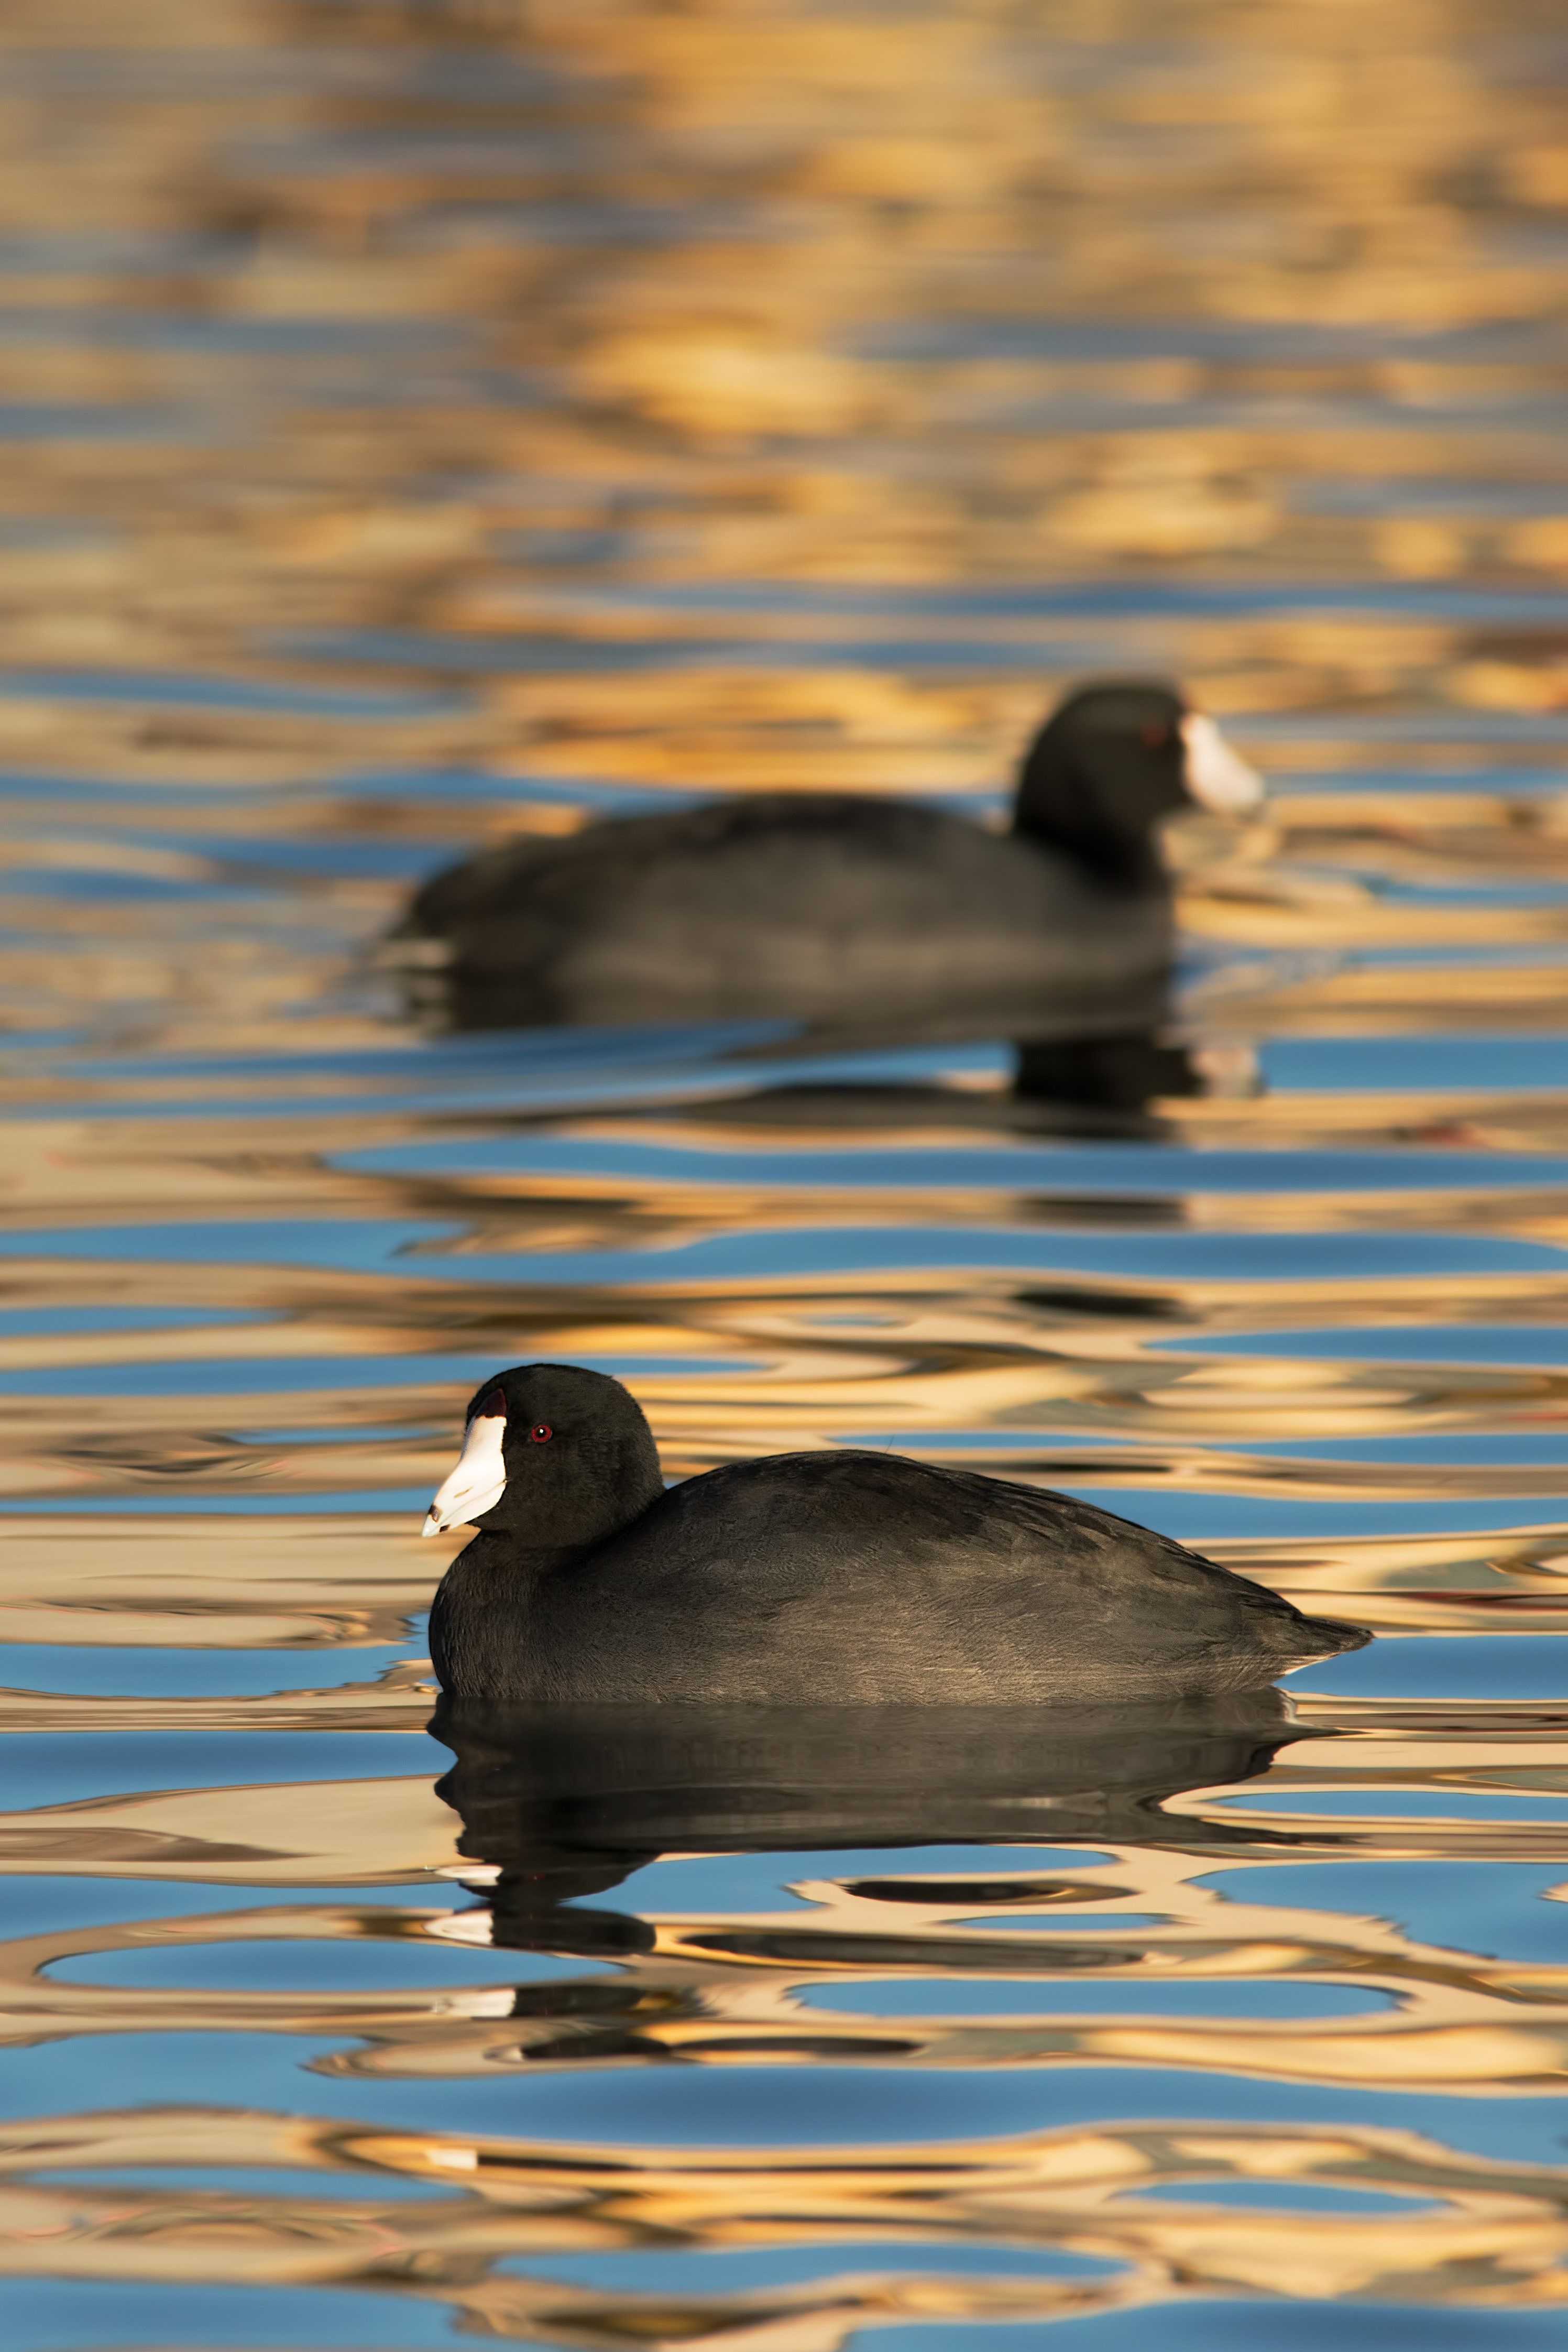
(1156, 735)
(540, 1432)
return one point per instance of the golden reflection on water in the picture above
(1470, 2234)
(433, 423)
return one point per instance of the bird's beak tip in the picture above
(1217, 777)
(432, 1525)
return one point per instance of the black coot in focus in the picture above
(805, 1579)
(839, 910)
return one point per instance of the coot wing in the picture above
(864, 1577)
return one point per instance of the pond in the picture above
(430, 420)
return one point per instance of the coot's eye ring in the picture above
(539, 1432)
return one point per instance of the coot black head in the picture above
(553, 1456)
(1110, 762)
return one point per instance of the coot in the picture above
(804, 1579)
(831, 908)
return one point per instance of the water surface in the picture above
(430, 422)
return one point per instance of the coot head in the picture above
(1111, 762)
(553, 1456)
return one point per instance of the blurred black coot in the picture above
(850, 912)
(803, 1579)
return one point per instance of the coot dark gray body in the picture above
(822, 907)
(845, 1577)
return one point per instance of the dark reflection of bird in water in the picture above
(1115, 1085)
(567, 1802)
(1069, 1086)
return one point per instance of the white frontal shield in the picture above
(1216, 777)
(478, 1482)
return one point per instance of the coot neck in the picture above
(498, 1549)
(1099, 806)
(1126, 861)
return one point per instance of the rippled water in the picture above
(425, 421)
